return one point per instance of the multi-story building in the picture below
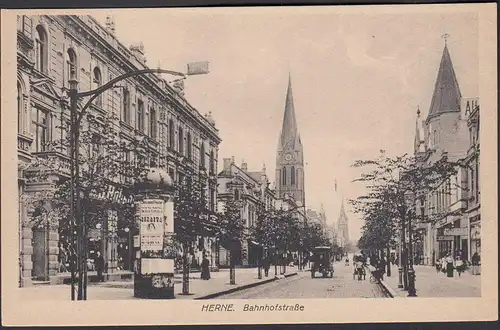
(472, 166)
(251, 190)
(50, 49)
(444, 133)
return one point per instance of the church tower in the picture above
(289, 155)
(343, 226)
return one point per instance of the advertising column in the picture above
(154, 275)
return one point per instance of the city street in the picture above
(341, 285)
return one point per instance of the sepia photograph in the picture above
(278, 156)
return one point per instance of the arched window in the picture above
(189, 146)
(292, 175)
(171, 133)
(72, 65)
(283, 176)
(140, 115)
(41, 49)
(202, 155)
(20, 110)
(98, 82)
(181, 141)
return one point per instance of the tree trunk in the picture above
(232, 273)
(185, 271)
(388, 261)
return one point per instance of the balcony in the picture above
(58, 162)
(23, 146)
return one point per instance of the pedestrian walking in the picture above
(99, 266)
(460, 265)
(449, 265)
(205, 269)
(476, 261)
(266, 265)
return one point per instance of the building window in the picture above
(202, 155)
(140, 116)
(236, 194)
(171, 134)
(283, 176)
(72, 65)
(152, 123)
(98, 83)
(473, 182)
(171, 173)
(292, 174)
(126, 106)
(40, 129)
(20, 109)
(181, 141)
(477, 179)
(212, 199)
(189, 146)
(212, 162)
(41, 49)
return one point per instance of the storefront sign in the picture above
(152, 227)
(111, 193)
(455, 231)
(445, 238)
(137, 242)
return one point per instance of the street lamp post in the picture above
(129, 262)
(412, 292)
(77, 222)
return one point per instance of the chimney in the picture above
(227, 164)
(244, 166)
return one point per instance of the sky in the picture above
(357, 81)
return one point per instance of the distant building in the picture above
(251, 189)
(290, 155)
(343, 227)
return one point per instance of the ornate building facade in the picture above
(445, 133)
(290, 155)
(178, 138)
(251, 189)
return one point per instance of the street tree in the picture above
(190, 212)
(388, 181)
(107, 164)
(230, 232)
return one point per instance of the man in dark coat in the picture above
(99, 266)
(266, 265)
(205, 269)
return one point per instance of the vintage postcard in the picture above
(249, 165)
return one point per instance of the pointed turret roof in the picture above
(289, 131)
(447, 94)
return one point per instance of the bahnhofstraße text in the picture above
(253, 308)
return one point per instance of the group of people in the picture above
(448, 264)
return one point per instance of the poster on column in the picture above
(152, 228)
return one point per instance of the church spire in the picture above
(343, 216)
(447, 94)
(289, 131)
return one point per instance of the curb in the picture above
(387, 289)
(243, 287)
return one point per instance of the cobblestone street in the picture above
(342, 285)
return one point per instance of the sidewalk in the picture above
(430, 283)
(123, 290)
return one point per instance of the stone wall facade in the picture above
(50, 49)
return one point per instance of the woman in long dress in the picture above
(205, 269)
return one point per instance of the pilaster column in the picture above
(26, 254)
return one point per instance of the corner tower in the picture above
(289, 155)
